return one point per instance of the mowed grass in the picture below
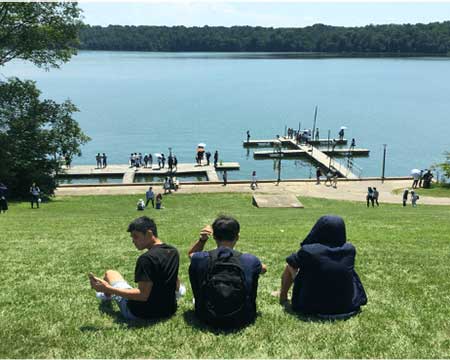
(436, 190)
(47, 309)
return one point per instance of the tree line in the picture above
(432, 38)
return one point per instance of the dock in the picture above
(320, 156)
(274, 142)
(128, 173)
(300, 153)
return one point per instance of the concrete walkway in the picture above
(346, 190)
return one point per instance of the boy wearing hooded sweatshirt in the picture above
(323, 274)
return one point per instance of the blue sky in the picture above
(265, 13)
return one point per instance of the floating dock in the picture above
(321, 157)
(274, 142)
(129, 173)
(299, 153)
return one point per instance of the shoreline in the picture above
(347, 190)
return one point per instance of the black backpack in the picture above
(224, 296)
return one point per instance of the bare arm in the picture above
(287, 278)
(200, 243)
(140, 294)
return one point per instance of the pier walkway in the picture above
(318, 156)
(129, 173)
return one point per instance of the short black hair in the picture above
(143, 224)
(225, 228)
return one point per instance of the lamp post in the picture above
(384, 163)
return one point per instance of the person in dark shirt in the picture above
(325, 281)
(156, 274)
(225, 231)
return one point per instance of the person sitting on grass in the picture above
(140, 205)
(325, 281)
(223, 280)
(156, 274)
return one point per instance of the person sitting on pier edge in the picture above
(322, 271)
(156, 274)
(224, 281)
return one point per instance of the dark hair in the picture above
(225, 228)
(143, 224)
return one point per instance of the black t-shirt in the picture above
(159, 265)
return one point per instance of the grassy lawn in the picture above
(436, 190)
(47, 309)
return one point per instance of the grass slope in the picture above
(436, 190)
(47, 309)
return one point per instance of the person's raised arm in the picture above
(200, 243)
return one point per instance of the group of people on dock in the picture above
(224, 281)
(201, 154)
(101, 160)
(146, 161)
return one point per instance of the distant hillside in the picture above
(433, 38)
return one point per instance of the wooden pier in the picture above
(322, 157)
(299, 153)
(274, 142)
(129, 173)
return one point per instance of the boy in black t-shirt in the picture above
(156, 273)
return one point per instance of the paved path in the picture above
(346, 190)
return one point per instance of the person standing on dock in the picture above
(175, 162)
(170, 162)
(145, 160)
(98, 160)
(216, 158)
(317, 134)
(104, 160)
(353, 144)
(163, 160)
(208, 156)
(341, 134)
(248, 135)
(225, 178)
(318, 175)
(150, 160)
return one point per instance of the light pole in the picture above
(384, 163)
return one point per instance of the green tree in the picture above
(34, 134)
(445, 166)
(45, 33)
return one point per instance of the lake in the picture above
(148, 102)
